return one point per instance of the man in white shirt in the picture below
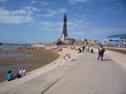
(19, 75)
(23, 72)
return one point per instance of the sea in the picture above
(15, 60)
(10, 46)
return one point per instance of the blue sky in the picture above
(35, 21)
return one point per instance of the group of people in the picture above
(101, 51)
(66, 57)
(87, 48)
(12, 76)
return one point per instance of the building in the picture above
(64, 38)
(117, 39)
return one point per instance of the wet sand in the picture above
(28, 58)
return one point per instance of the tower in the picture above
(64, 38)
(64, 33)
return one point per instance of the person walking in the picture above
(101, 53)
(83, 48)
(88, 48)
(91, 49)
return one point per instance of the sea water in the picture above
(14, 46)
(7, 47)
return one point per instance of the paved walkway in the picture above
(83, 75)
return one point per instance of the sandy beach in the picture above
(27, 58)
(41, 78)
(40, 59)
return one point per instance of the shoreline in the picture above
(39, 71)
(39, 59)
(50, 65)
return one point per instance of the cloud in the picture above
(43, 3)
(108, 31)
(96, 33)
(80, 25)
(78, 1)
(34, 1)
(102, 33)
(74, 26)
(80, 33)
(29, 8)
(51, 12)
(62, 10)
(81, 29)
(51, 26)
(23, 15)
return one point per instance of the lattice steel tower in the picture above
(64, 34)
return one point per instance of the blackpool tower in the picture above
(64, 34)
(64, 38)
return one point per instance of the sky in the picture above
(41, 21)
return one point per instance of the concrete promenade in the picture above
(81, 75)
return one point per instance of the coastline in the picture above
(42, 69)
(39, 71)
(35, 74)
(40, 58)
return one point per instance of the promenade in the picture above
(81, 75)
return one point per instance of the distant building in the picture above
(64, 38)
(117, 39)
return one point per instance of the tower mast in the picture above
(65, 27)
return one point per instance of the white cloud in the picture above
(15, 19)
(51, 12)
(29, 8)
(62, 10)
(78, 28)
(34, 1)
(23, 15)
(73, 26)
(80, 33)
(43, 3)
(79, 25)
(51, 26)
(78, 1)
